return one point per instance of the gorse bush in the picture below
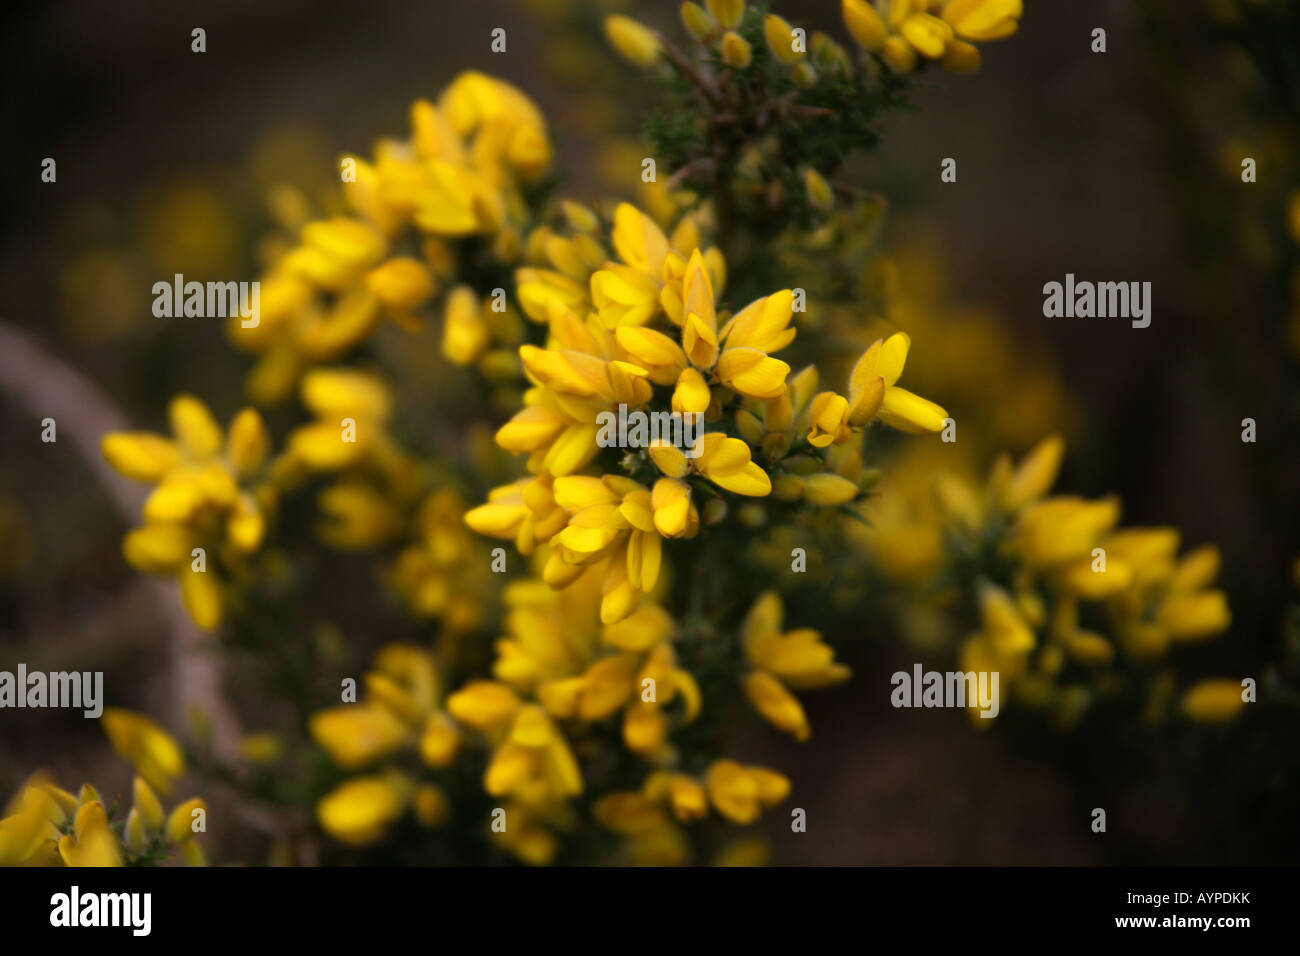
(590, 609)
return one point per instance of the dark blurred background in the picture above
(1111, 166)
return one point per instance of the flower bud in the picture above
(780, 40)
(736, 52)
(828, 490)
(899, 55)
(727, 12)
(632, 41)
(134, 834)
(864, 23)
(180, 825)
(804, 76)
(146, 801)
(788, 488)
(697, 21)
(818, 190)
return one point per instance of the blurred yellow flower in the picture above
(798, 659)
(211, 498)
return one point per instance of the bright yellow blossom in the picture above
(798, 659)
(44, 825)
(873, 392)
(940, 30)
(634, 42)
(153, 752)
(211, 497)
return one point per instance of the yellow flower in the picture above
(610, 518)
(818, 190)
(722, 460)
(647, 280)
(1032, 478)
(335, 394)
(550, 635)
(665, 797)
(444, 572)
(738, 357)
(209, 493)
(401, 709)
(458, 175)
(930, 30)
(684, 795)
(651, 817)
(356, 517)
(899, 54)
(629, 813)
(155, 755)
(1213, 701)
(48, 826)
(740, 793)
(675, 514)
(828, 490)
(780, 40)
(524, 511)
(1005, 627)
(180, 823)
(634, 42)
(864, 23)
(873, 392)
(927, 34)
(262, 747)
(147, 803)
(29, 834)
(431, 806)
(797, 659)
(533, 763)
(355, 735)
(578, 668)
(465, 334)
(729, 13)
(401, 284)
(133, 834)
(378, 482)
(983, 20)
(1190, 617)
(1063, 529)
(91, 842)
(360, 810)
(578, 379)
(484, 705)
(528, 830)
(961, 57)
(698, 21)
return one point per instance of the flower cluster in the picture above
(605, 351)
(45, 825)
(211, 497)
(749, 297)
(424, 208)
(401, 710)
(765, 112)
(1059, 590)
(904, 32)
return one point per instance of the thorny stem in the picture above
(694, 166)
(682, 62)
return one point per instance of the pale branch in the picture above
(50, 388)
